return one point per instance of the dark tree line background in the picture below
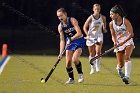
(23, 35)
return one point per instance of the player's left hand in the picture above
(68, 42)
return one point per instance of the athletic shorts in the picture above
(97, 38)
(121, 48)
(80, 42)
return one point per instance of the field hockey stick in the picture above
(102, 54)
(107, 51)
(44, 80)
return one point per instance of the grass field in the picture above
(22, 74)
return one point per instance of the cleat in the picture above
(70, 81)
(81, 78)
(125, 80)
(92, 69)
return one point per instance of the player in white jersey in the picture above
(93, 29)
(122, 35)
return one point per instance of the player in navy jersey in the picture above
(122, 35)
(70, 33)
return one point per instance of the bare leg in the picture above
(120, 59)
(78, 64)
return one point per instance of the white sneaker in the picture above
(92, 69)
(81, 78)
(70, 81)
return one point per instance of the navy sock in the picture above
(70, 72)
(79, 68)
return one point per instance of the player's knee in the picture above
(75, 61)
(127, 57)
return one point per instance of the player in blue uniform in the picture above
(70, 33)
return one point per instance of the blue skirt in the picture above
(77, 43)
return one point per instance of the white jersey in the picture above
(121, 35)
(120, 30)
(95, 30)
(96, 25)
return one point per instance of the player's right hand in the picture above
(115, 44)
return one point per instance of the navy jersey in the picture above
(68, 29)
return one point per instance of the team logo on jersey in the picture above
(69, 30)
(120, 32)
(120, 29)
(97, 23)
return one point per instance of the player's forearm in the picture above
(85, 30)
(131, 35)
(62, 45)
(104, 28)
(114, 39)
(77, 35)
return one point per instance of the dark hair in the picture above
(118, 9)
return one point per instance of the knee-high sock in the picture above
(70, 72)
(97, 64)
(128, 65)
(79, 68)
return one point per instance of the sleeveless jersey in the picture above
(68, 29)
(120, 30)
(121, 34)
(96, 25)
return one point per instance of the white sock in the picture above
(128, 65)
(97, 64)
